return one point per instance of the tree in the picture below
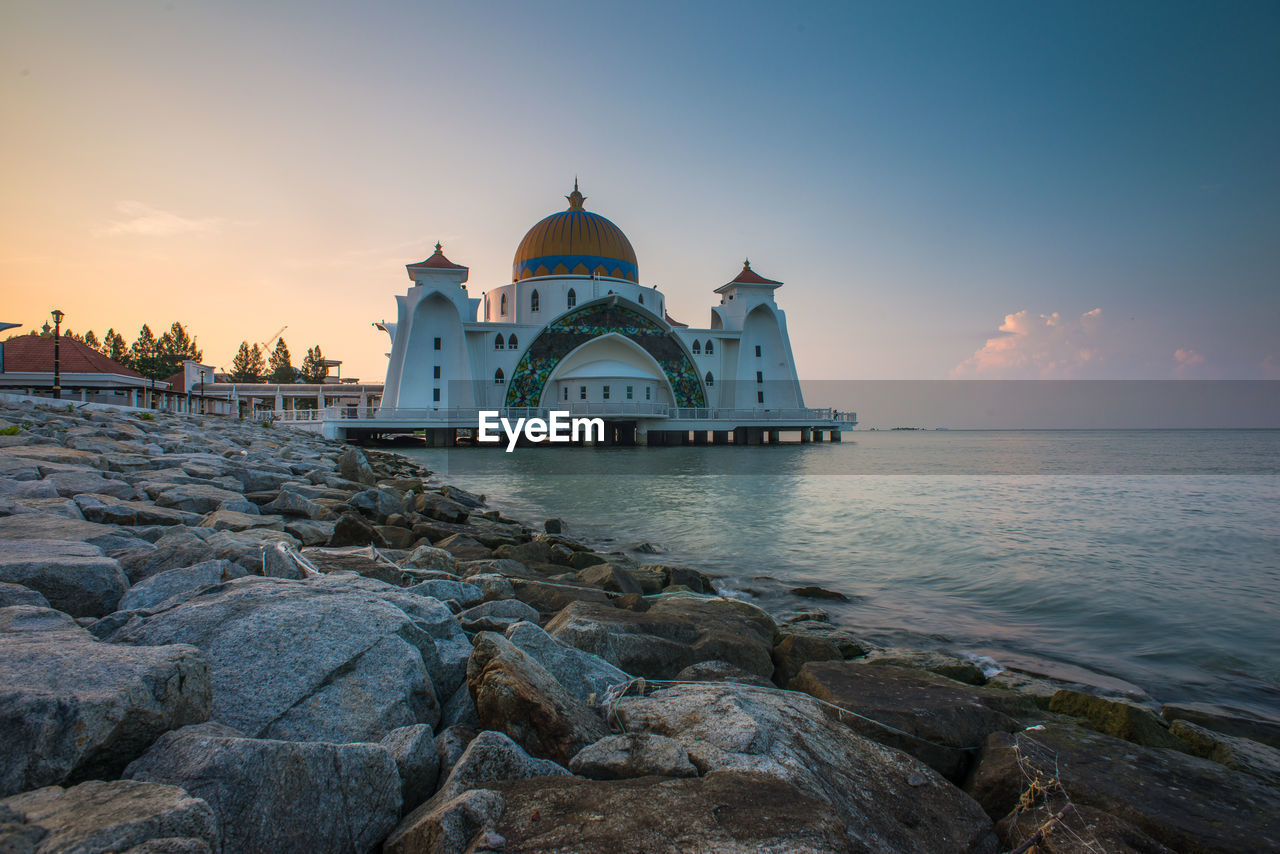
(313, 367)
(114, 348)
(91, 340)
(144, 355)
(248, 365)
(282, 370)
(177, 347)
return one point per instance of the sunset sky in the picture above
(988, 190)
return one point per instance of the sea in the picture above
(1137, 561)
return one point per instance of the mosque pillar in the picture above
(835, 435)
(699, 437)
(720, 437)
(775, 437)
(806, 435)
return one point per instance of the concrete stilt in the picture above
(720, 437)
(806, 435)
(835, 435)
(775, 437)
(699, 437)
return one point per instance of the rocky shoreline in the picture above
(223, 636)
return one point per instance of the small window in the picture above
(628, 392)
(606, 392)
(435, 395)
(502, 306)
(499, 343)
(582, 392)
(435, 372)
(710, 380)
(759, 397)
(511, 342)
(436, 345)
(566, 392)
(697, 348)
(642, 299)
(710, 348)
(534, 301)
(573, 298)
(757, 350)
(498, 377)
(647, 391)
(759, 376)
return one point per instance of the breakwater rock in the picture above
(221, 636)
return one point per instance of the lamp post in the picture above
(57, 364)
(202, 404)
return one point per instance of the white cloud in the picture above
(143, 220)
(1186, 360)
(1039, 347)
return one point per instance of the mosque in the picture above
(577, 330)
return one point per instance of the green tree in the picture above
(248, 365)
(91, 340)
(282, 369)
(313, 367)
(144, 355)
(114, 348)
(177, 347)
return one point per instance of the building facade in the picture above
(576, 329)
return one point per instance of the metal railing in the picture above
(470, 415)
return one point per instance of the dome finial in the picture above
(746, 263)
(575, 198)
(439, 248)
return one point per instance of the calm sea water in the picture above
(1148, 557)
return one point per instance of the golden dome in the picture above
(575, 242)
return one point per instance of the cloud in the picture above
(1039, 347)
(143, 220)
(1186, 360)
(1270, 368)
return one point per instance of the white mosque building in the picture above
(576, 330)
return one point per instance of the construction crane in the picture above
(266, 345)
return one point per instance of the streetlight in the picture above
(57, 365)
(202, 403)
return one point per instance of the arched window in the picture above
(498, 343)
(697, 348)
(533, 301)
(710, 348)
(502, 306)
(573, 297)
(642, 299)
(511, 342)
(498, 377)
(710, 380)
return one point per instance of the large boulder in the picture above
(71, 483)
(376, 504)
(1226, 720)
(1116, 717)
(110, 510)
(515, 694)
(633, 754)
(938, 720)
(1184, 802)
(99, 817)
(1241, 754)
(280, 795)
(676, 631)
(337, 658)
(196, 498)
(490, 757)
(44, 525)
(414, 750)
(17, 594)
(174, 585)
(352, 529)
(886, 800)
(587, 677)
(179, 546)
(354, 466)
(74, 576)
(726, 811)
(497, 615)
(72, 708)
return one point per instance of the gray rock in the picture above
(351, 659)
(1226, 720)
(950, 666)
(195, 498)
(414, 750)
(175, 585)
(72, 483)
(460, 710)
(450, 745)
(117, 511)
(181, 546)
(587, 677)
(444, 589)
(497, 615)
(634, 754)
(242, 505)
(610, 578)
(16, 594)
(53, 526)
(515, 694)
(461, 824)
(290, 503)
(230, 520)
(279, 795)
(309, 532)
(1240, 754)
(73, 576)
(493, 586)
(676, 631)
(720, 671)
(886, 800)
(351, 529)
(377, 504)
(491, 756)
(100, 817)
(73, 708)
(246, 547)
(354, 466)
(429, 557)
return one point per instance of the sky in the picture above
(984, 190)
